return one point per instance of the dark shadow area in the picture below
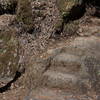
(76, 13)
(31, 31)
(60, 30)
(79, 11)
(96, 4)
(10, 10)
(97, 13)
(8, 85)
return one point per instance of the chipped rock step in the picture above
(60, 80)
(68, 66)
(66, 63)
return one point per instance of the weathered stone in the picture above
(9, 56)
(5, 21)
(75, 66)
(60, 80)
(69, 63)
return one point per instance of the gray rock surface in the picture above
(9, 50)
(75, 66)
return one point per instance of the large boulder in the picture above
(9, 55)
(74, 67)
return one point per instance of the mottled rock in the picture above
(60, 80)
(9, 55)
(5, 21)
(74, 66)
(69, 63)
(87, 29)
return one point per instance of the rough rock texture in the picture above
(9, 50)
(89, 28)
(9, 56)
(5, 21)
(72, 67)
(70, 10)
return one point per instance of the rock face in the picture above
(8, 55)
(74, 67)
(9, 49)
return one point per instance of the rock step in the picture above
(55, 79)
(66, 63)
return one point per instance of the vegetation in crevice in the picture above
(24, 15)
(71, 11)
(8, 6)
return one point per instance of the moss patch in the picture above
(66, 5)
(71, 28)
(24, 14)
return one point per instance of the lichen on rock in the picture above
(9, 57)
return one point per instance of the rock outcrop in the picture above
(9, 49)
(9, 56)
(74, 67)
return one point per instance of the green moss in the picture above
(5, 37)
(24, 14)
(58, 25)
(71, 28)
(65, 6)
